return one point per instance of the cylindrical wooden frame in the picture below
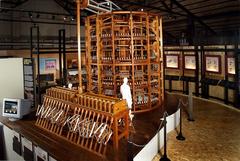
(126, 44)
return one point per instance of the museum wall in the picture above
(71, 56)
(180, 77)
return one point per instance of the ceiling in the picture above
(191, 17)
(12, 3)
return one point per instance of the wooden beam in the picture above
(67, 6)
(79, 47)
(20, 3)
(166, 6)
(148, 6)
(193, 16)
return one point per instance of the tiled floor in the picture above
(213, 136)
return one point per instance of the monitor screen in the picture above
(10, 107)
(47, 77)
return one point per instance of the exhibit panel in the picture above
(231, 65)
(214, 63)
(206, 70)
(216, 71)
(189, 62)
(183, 77)
(172, 61)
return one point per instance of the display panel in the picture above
(231, 65)
(47, 77)
(189, 62)
(172, 61)
(213, 63)
(50, 64)
(11, 107)
(28, 79)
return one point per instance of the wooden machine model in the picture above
(126, 44)
(119, 44)
(87, 120)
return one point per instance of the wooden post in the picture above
(162, 84)
(132, 54)
(181, 75)
(99, 54)
(237, 76)
(226, 76)
(79, 47)
(204, 84)
(149, 61)
(196, 72)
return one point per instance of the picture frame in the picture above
(172, 61)
(189, 62)
(50, 64)
(213, 64)
(231, 65)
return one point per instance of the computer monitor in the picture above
(15, 109)
(49, 77)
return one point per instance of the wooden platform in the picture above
(144, 127)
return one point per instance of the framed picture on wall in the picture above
(189, 62)
(50, 64)
(213, 63)
(172, 61)
(231, 65)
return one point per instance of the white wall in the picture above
(11, 155)
(8, 138)
(11, 78)
(157, 142)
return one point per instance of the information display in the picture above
(189, 62)
(213, 63)
(28, 79)
(231, 65)
(172, 61)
